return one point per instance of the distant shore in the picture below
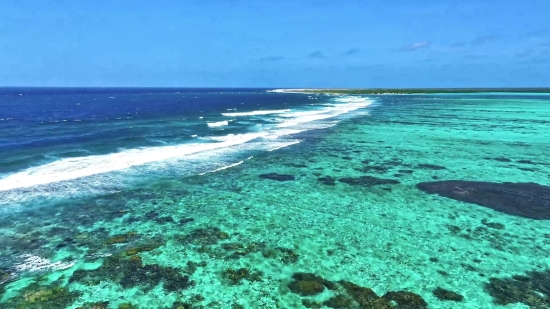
(395, 91)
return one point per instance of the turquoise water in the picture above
(298, 227)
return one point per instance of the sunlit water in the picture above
(218, 198)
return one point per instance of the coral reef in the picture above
(235, 276)
(121, 238)
(277, 177)
(531, 289)
(406, 299)
(367, 181)
(431, 167)
(327, 180)
(443, 294)
(529, 200)
(495, 225)
(338, 301)
(99, 305)
(36, 296)
(306, 284)
(130, 272)
(205, 236)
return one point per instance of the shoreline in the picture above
(404, 91)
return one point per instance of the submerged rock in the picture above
(205, 236)
(405, 171)
(431, 167)
(443, 294)
(37, 296)
(361, 295)
(130, 272)
(500, 159)
(529, 200)
(368, 181)
(329, 181)
(99, 305)
(495, 225)
(186, 220)
(235, 276)
(288, 256)
(311, 304)
(307, 284)
(278, 177)
(407, 300)
(121, 238)
(338, 301)
(355, 296)
(526, 162)
(165, 219)
(533, 289)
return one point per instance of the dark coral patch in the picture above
(277, 177)
(205, 236)
(374, 169)
(431, 167)
(526, 162)
(298, 165)
(307, 284)
(186, 220)
(500, 159)
(165, 219)
(329, 181)
(99, 305)
(288, 256)
(235, 276)
(121, 238)
(367, 181)
(130, 272)
(311, 304)
(405, 171)
(495, 225)
(361, 295)
(338, 301)
(36, 296)
(407, 300)
(306, 287)
(529, 200)
(533, 289)
(443, 294)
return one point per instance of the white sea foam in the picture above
(73, 168)
(256, 113)
(218, 124)
(107, 173)
(346, 105)
(35, 263)
(282, 145)
(223, 168)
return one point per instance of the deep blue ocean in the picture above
(56, 142)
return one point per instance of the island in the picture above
(395, 91)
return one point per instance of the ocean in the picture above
(249, 198)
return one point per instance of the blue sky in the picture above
(283, 43)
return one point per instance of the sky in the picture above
(283, 43)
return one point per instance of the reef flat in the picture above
(414, 202)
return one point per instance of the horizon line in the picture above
(297, 88)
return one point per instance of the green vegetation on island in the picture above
(422, 90)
